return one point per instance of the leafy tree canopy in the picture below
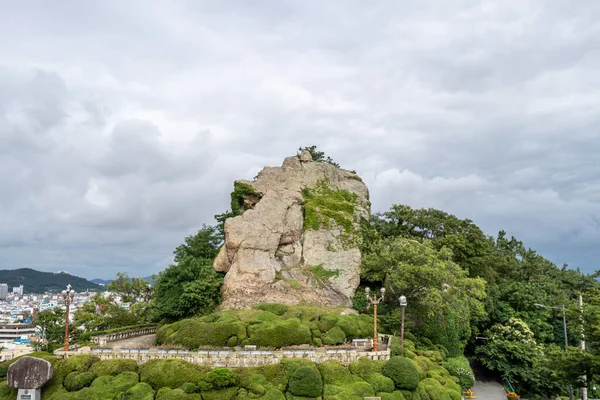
(190, 285)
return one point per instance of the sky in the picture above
(123, 124)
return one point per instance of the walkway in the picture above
(489, 390)
(145, 341)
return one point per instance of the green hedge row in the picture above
(85, 377)
(267, 325)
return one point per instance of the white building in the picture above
(3, 291)
(18, 290)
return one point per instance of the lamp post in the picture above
(561, 307)
(68, 294)
(374, 300)
(403, 304)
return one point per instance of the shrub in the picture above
(335, 373)
(221, 378)
(305, 381)
(161, 392)
(460, 367)
(275, 375)
(79, 363)
(114, 367)
(381, 383)
(78, 380)
(194, 334)
(278, 334)
(189, 387)
(173, 394)
(356, 326)
(326, 322)
(141, 391)
(7, 393)
(3, 371)
(107, 387)
(365, 367)
(402, 372)
(223, 394)
(252, 381)
(170, 373)
(264, 316)
(275, 308)
(397, 395)
(334, 336)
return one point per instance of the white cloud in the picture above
(122, 125)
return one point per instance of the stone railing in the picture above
(102, 340)
(228, 358)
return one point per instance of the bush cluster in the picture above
(267, 325)
(87, 378)
(460, 368)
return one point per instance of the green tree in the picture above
(52, 326)
(318, 156)
(131, 290)
(444, 301)
(190, 286)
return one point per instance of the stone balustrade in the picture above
(228, 358)
(102, 340)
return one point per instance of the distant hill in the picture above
(101, 281)
(41, 282)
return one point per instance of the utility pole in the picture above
(584, 394)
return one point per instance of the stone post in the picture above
(28, 375)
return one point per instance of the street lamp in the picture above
(68, 294)
(403, 304)
(561, 307)
(374, 300)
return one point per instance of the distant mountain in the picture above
(101, 281)
(45, 282)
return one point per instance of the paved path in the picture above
(144, 341)
(488, 390)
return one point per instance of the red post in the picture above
(375, 341)
(402, 332)
(66, 348)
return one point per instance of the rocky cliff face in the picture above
(296, 236)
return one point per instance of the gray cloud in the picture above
(122, 125)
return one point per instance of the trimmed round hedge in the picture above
(170, 373)
(402, 372)
(78, 380)
(114, 367)
(221, 378)
(305, 381)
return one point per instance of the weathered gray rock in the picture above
(272, 254)
(29, 373)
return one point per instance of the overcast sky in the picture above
(124, 123)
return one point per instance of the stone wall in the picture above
(102, 340)
(228, 358)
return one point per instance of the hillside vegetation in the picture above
(45, 282)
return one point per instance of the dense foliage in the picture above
(295, 325)
(190, 286)
(45, 282)
(462, 284)
(85, 377)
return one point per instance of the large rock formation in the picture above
(296, 236)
